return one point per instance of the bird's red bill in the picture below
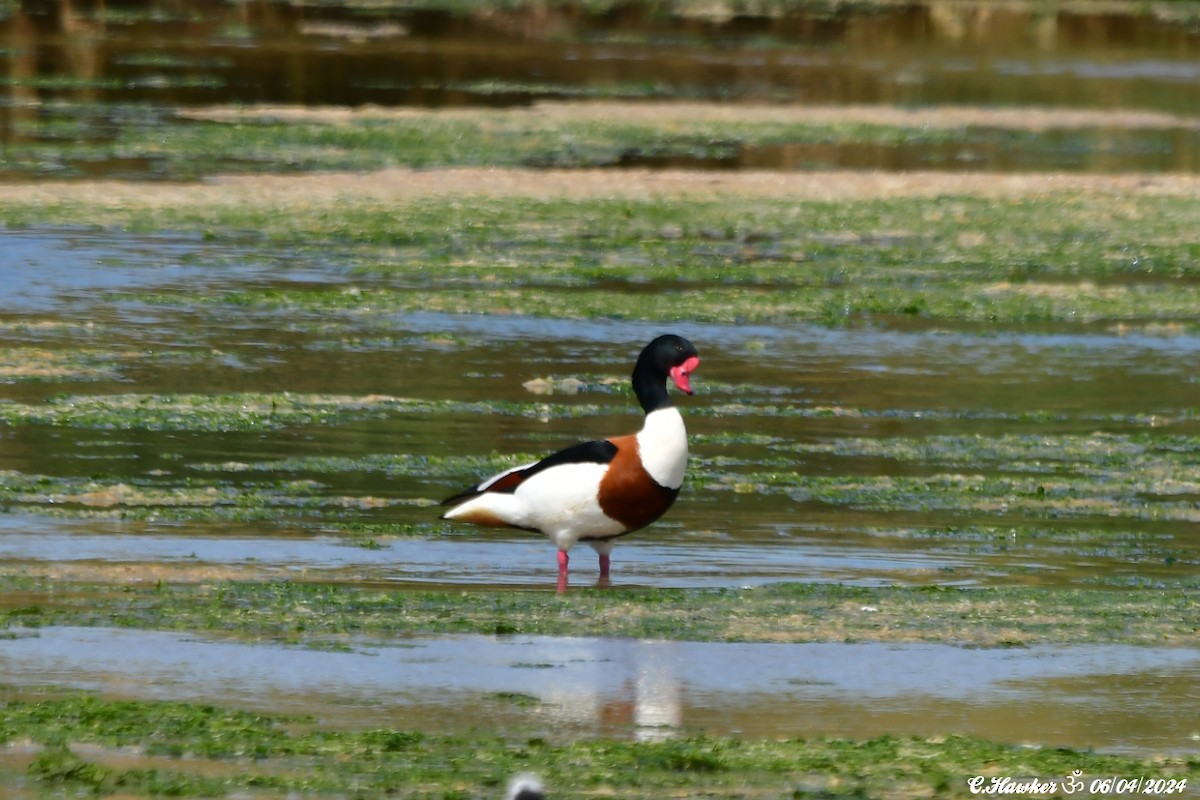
(682, 374)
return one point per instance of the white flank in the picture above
(663, 447)
(560, 501)
(500, 505)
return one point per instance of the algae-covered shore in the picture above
(943, 407)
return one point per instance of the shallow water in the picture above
(900, 404)
(85, 72)
(64, 269)
(1136, 700)
(1105, 151)
(484, 561)
(57, 269)
(420, 56)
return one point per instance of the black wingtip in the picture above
(461, 497)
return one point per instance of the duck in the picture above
(600, 490)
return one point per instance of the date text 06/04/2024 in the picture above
(1111, 786)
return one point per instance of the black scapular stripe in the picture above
(598, 451)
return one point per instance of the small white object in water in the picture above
(525, 787)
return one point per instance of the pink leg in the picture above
(604, 562)
(563, 560)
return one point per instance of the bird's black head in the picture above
(667, 356)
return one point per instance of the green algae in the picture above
(1158, 485)
(192, 500)
(317, 613)
(1108, 476)
(187, 412)
(951, 260)
(1106, 486)
(83, 744)
(182, 147)
(38, 364)
(244, 411)
(971, 495)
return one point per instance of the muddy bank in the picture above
(405, 185)
(659, 113)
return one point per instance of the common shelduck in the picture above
(596, 491)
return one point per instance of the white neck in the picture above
(663, 447)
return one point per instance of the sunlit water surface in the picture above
(1127, 699)
(85, 72)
